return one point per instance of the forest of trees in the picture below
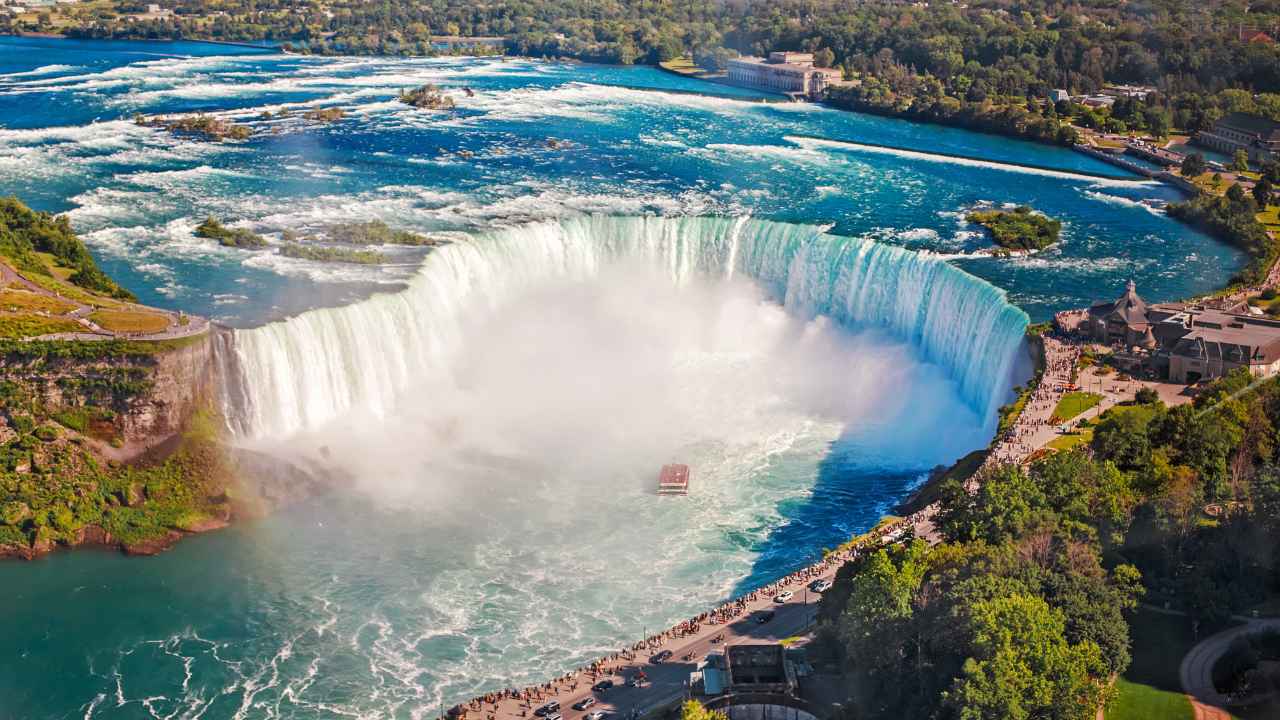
(1022, 612)
(982, 49)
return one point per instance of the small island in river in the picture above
(1018, 230)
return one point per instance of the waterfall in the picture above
(301, 372)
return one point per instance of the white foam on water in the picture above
(40, 71)
(1120, 201)
(968, 162)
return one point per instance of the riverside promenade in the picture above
(1034, 426)
(665, 683)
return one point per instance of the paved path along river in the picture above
(666, 681)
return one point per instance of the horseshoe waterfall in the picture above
(298, 374)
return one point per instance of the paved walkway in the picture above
(1033, 429)
(688, 643)
(80, 312)
(1196, 671)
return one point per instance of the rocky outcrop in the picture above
(123, 445)
(180, 379)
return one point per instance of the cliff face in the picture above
(180, 380)
(129, 396)
(122, 444)
(111, 442)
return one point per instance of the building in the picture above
(789, 73)
(1095, 101)
(1122, 321)
(1251, 35)
(1188, 342)
(759, 669)
(1137, 92)
(1258, 136)
(1212, 343)
(1059, 95)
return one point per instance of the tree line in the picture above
(1022, 611)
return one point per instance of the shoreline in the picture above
(202, 41)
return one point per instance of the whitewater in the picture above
(783, 296)
(304, 372)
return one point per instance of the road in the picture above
(1196, 670)
(666, 681)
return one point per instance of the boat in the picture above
(673, 480)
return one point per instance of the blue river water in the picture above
(499, 526)
(67, 146)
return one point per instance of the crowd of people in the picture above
(487, 705)
(1016, 443)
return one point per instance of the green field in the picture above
(1150, 688)
(1143, 702)
(1074, 403)
(1074, 440)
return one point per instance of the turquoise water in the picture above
(515, 393)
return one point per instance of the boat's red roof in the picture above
(674, 475)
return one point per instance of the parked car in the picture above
(546, 710)
(595, 715)
(584, 703)
(602, 685)
(820, 586)
(764, 617)
(784, 596)
(660, 657)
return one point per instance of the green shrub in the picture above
(23, 424)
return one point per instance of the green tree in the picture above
(1263, 192)
(1006, 503)
(874, 623)
(1193, 165)
(1240, 161)
(1022, 666)
(694, 710)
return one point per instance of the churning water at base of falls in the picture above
(501, 525)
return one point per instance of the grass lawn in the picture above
(1150, 688)
(1074, 403)
(683, 65)
(15, 300)
(1143, 702)
(130, 321)
(1270, 217)
(1074, 440)
(16, 327)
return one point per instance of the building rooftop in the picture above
(785, 67)
(1130, 308)
(1253, 124)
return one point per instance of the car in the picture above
(546, 710)
(662, 656)
(764, 617)
(554, 716)
(634, 682)
(602, 685)
(784, 596)
(820, 586)
(584, 703)
(595, 715)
